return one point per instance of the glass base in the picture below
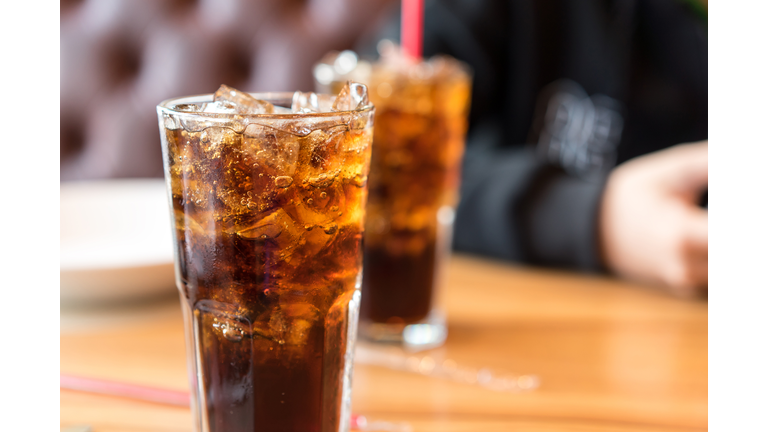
(425, 334)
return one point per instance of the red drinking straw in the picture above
(151, 394)
(412, 27)
(114, 388)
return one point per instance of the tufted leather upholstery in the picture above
(119, 58)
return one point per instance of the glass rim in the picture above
(166, 106)
(379, 64)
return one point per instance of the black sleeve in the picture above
(514, 207)
(643, 60)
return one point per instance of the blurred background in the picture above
(120, 58)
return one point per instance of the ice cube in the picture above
(311, 102)
(277, 227)
(213, 138)
(219, 107)
(187, 107)
(352, 96)
(325, 102)
(322, 149)
(244, 103)
(171, 122)
(295, 319)
(320, 205)
(290, 323)
(192, 168)
(276, 152)
(304, 102)
(244, 169)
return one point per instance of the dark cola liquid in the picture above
(268, 230)
(398, 288)
(254, 379)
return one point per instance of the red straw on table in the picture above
(171, 397)
(114, 388)
(412, 27)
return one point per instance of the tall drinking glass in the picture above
(421, 120)
(267, 210)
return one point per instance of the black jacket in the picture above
(563, 91)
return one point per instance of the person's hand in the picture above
(651, 228)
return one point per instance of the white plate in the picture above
(116, 241)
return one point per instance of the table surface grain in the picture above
(610, 356)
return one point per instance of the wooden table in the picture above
(611, 356)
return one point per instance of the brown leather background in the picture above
(120, 58)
